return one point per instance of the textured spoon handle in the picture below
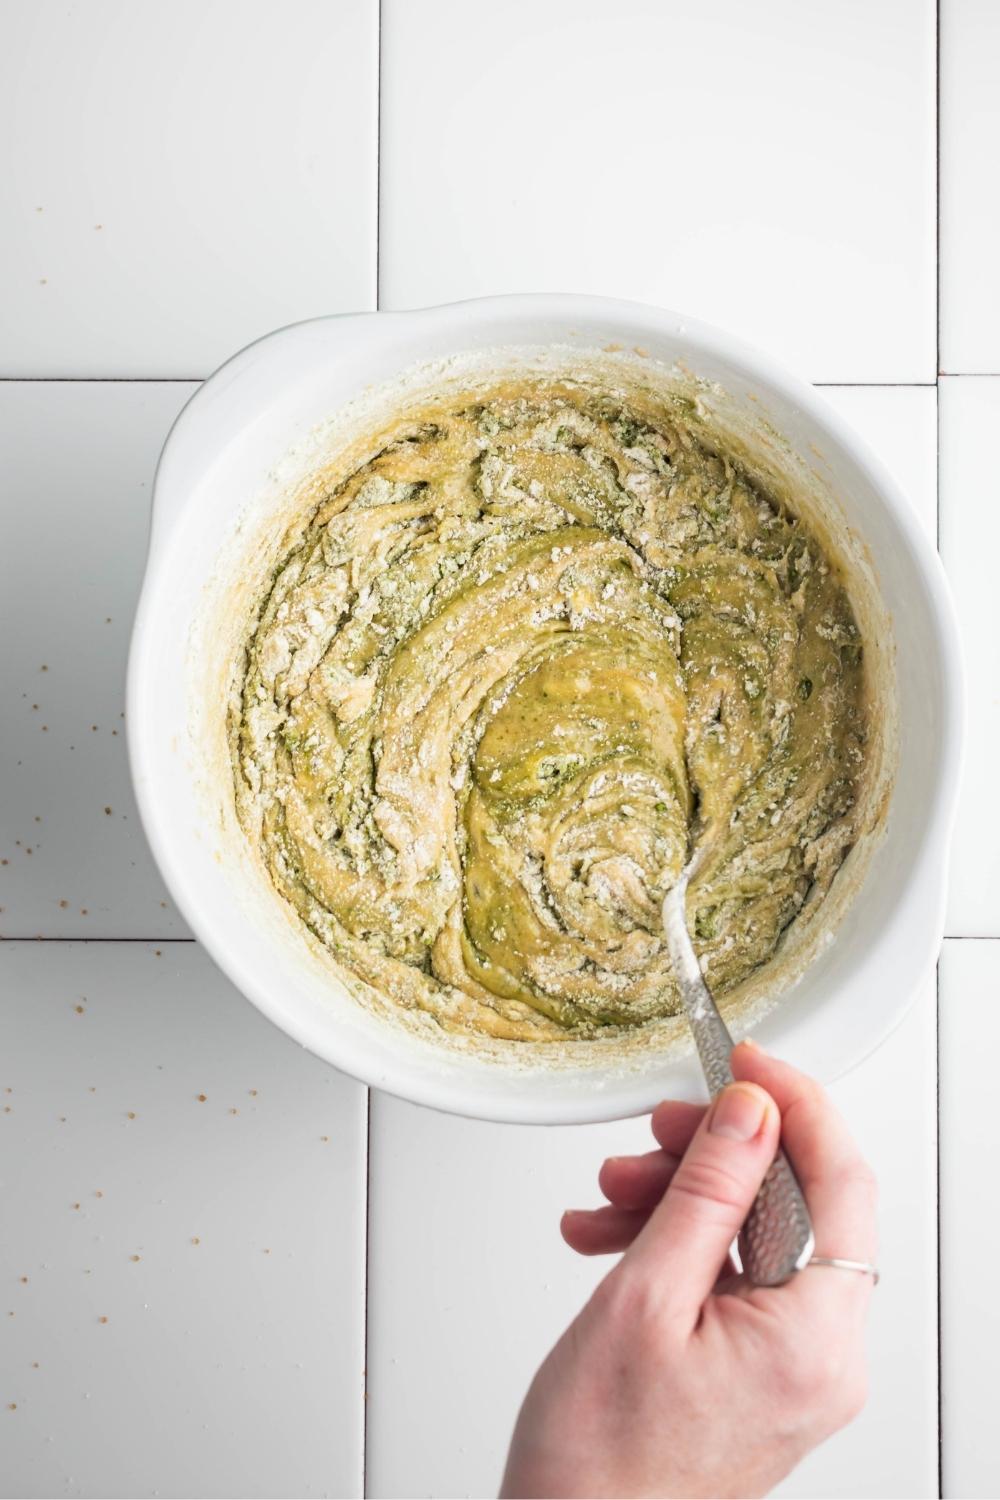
(777, 1238)
(711, 1036)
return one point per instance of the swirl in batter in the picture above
(511, 670)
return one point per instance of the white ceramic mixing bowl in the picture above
(258, 425)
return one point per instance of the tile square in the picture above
(900, 423)
(970, 210)
(470, 1284)
(184, 1190)
(184, 177)
(769, 169)
(76, 472)
(970, 1217)
(970, 537)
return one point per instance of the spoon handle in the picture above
(777, 1237)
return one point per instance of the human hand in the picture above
(679, 1378)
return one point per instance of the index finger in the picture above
(838, 1184)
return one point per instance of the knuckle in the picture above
(847, 1398)
(854, 1394)
(808, 1375)
(621, 1300)
(809, 1105)
(708, 1179)
(810, 1094)
(632, 1308)
(828, 1388)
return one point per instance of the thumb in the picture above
(686, 1239)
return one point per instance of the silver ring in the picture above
(835, 1263)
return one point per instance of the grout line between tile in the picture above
(102, 379)
(874, 385)
(367, 1284)
(937, 467)
(378, 167)
(937, 184)
(937, 1193)
(40, 938)
(937, 539)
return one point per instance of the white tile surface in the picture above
(76, 469)
(970, 1218)
(970, 210)
(900, 424)
(892, 1449)
(464, 1224)
(769, 168)
(469, 1283)
(221, 1369)
(970, 538)
(184, 175)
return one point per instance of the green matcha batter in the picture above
(514, 667)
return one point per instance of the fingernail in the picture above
(739, 1113)
(748, 1041)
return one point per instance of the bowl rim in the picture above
(453, 1090)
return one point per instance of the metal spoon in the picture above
(777, 1238)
